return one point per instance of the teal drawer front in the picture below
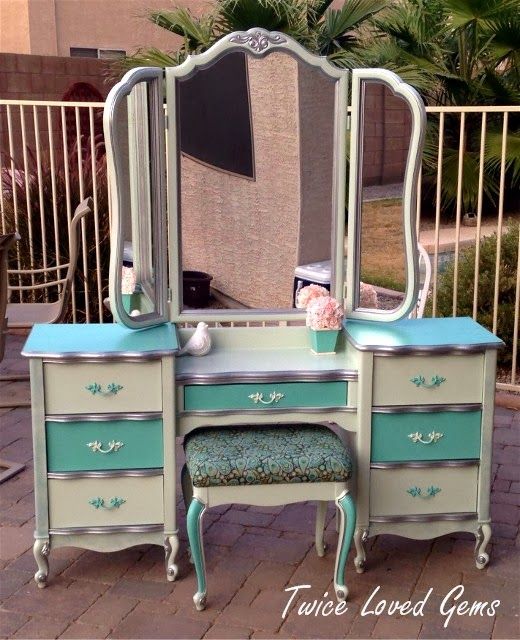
(96, 446)
(283, 395)
(446, 435)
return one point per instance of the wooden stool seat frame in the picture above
(201, 498)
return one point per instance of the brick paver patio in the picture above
(253, 554)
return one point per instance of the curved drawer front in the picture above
(410, 380)
(88, 502)
(116, 444)
(253, 396)
(409, 491)
(105, 387)
(446, 435)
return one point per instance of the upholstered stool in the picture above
(267, 466)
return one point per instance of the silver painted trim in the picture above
(425, 464)
(338, 375)
(231, 412)
(429, 517)
(102, 417)
(427, 408)
(451, 349)
(83, 356)
(132, 528)
(117, 473)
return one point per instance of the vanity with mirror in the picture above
(252, 164)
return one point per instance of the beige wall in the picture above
(51, 27)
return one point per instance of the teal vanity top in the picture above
(420, 335)
(99, 340)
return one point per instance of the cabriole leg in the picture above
(346, 531)
(194, 522)
(321, 512)
(41, 550)
(483, 536)
(171, 546)
(359, 538)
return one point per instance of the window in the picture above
(105, 54)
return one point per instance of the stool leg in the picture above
(187, 495)
(194, 522)
(347, 511)
(321, 512)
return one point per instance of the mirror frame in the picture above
(121, 202)
(412, 98)
(257, 43)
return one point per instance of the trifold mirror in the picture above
(230, 170)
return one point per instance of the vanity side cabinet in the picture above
(103, 438)
(428, 461)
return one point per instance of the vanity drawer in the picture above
(281, 395)
(105, 387)
(443, 435)
(412, 380)
(114, 444)
(409, 491)
(89, 502)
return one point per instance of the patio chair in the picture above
(425, 276)
(6, 241)
(262, 465)
(25, 314)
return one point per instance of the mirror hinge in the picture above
(344, 290)
(349, 118)
(166, 121)
(169, 295)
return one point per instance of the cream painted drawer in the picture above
(102, 501)
(105, 387)
(408, 491)
(412, 380)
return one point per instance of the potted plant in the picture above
(324, 317)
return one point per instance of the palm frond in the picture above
(493, 153)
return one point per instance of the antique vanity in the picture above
(246, 170)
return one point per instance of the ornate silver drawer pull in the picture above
(97, 447)
(434, 436)
(274, 396)
(96, 389)
(113, 503)
(430, 492)
(420, 381)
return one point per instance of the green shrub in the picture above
(486, 287)
(42, 203)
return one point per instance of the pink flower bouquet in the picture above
(324, 312)
(308, 293)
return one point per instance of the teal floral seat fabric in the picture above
(266, 455)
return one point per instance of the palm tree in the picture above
(465, 52)
(335, 33)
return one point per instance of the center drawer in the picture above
(215, 397)
(113, 444)
(89, 502)
(443, 435)
(108, 387)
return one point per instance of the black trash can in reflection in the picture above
(195, 288)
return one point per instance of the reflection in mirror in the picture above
(256, 182)
(386, 140)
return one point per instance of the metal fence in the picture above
(50, 160)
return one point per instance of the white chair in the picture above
(25, 314)
(425, 276)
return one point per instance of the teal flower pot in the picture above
(323, 340)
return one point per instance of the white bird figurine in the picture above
(200, 342)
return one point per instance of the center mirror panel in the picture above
(256, 201)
